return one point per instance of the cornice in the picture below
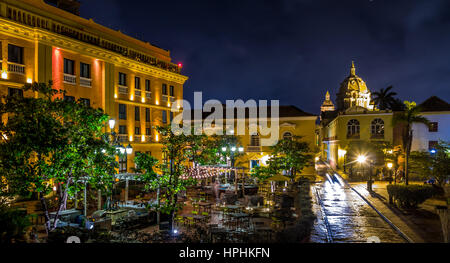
(40, 36)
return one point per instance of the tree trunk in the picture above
(46, 215)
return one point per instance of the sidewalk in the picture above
(422, 225)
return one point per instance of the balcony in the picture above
(353, 136)
(148, 95)
(172, 99)
(165, 98)
(123, 89)
(377, 136)
(70, 79)
(16, 68)
(85, 82)
(122, 138)
(137, 93)
(253, 148)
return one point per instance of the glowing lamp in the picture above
(361, 159)
(143, 100)
(156, 137)
(143, 138)
(180, 65)
(122, 150)
(29, 80)
(54, 188)
(112, 123)
(157, 102)
(4, 75)
(224, 149)
(131, 97)
(115, 96)
(317, 159)
(241, 149)
(233, 149)
(129, 149)
(131, 138)
(390, 165)
(432, 151)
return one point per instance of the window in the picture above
(69, 98)
(137, 131)
(378, 127)
(255, 140)
(137, 83)
(147, 115)
(287, 136)
(164, 89)
(147, 85)
(353, 128)
(171, 117)
(122, 79)
(15, 54)
(434, 126)
(254, 163)
(123, 164)
(15, 92)
(85, 70)
(148, 131)
(164, 116)
(122, 129)
(69, 66)
(137, 114)
(86, 102)
(122, 112)
(172, 91)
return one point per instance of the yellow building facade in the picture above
(133, 81)
(355, 121)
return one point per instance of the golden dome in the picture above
(353, 82)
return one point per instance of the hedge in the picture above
(410, 196)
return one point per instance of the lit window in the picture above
(353, 128)
(433, 127)
(69, 66)
(377, 127)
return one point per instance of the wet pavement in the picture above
(350, 218)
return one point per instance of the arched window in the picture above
(353, 128)
(287, 135)
(255, 140)
(378, 127)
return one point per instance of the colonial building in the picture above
(437, 111)
(135, 82)
(355, 120)
(292, 121)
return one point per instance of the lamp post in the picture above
(389, 166)
(362, 160)
(113, 139)
(233, 150)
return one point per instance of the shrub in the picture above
(410, 196)
(13, 225)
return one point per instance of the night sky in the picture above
(293, 50)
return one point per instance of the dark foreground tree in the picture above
(384, 98)
(53, 144)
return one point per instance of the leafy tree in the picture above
(53, 142)
(407, 118)
(433, 165)
(385, 98)
(291, 155)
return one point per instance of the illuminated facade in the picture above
(133, 81)
(355, 120)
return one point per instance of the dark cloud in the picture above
(293, 50)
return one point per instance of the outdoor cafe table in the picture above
(205, 205)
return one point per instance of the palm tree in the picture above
(385, 98)
(408, 117)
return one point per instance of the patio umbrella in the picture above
(279, 178)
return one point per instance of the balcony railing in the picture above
(137, 93)
(353, 136)
(70, 79)
(85, 82)
(16, 68)
(148, 95)
(123, 89)
(377, 136)
(253, 148)
(165, 98)
(122, 138)
(172, 99)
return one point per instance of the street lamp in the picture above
(129, 149)
(112, 123)
(361, 159)
(389, 166)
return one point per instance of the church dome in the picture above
(353, 83)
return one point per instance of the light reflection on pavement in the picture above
(350, 218)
